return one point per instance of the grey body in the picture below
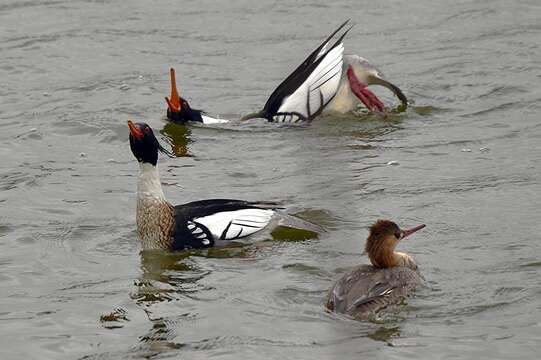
(365, 290)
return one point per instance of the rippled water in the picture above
(73, 282)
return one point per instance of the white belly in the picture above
(344, 100)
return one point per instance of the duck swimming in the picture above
(179, 111)
(300, 97)
(198, 224)
(357, 74)
(367, 289)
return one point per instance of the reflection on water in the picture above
(283, 233)
(166, 276)
(467, 68)
(178, 137)
(114, 319)
(385, 334)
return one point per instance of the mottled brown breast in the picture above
(155, 223)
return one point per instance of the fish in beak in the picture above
(367, 97)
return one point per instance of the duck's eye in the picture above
(147, 130)
(397, 235)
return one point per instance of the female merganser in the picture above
(358, 73)
(301, 96)
(366, 289)
(198, 224)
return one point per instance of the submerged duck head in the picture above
(143, 143)
(361, 74)
(380, 245)
(178, 109)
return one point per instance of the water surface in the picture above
(73, 282)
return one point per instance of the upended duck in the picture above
(367, 289)
(198, 224)
(302, 96)
(357, 75)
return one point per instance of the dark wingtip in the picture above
(341, 38)
(283, 89)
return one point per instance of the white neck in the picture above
(154, 214)
(149, 185)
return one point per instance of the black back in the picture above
(186, 113)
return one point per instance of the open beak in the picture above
(134, 131)
(367, 97)
(406, 233)
(173, 102)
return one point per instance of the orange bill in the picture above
(134, 131)
(173, 102)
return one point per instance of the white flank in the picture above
(210, 120)
(239, 223)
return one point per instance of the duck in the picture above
(198, 224)
(367, 289)
(302, 96)
(358, 73)
(179, 110)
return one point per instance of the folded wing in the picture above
(230, 225)
(201, 224)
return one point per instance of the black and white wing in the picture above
(200, 233)
(201, 224)
(230, 225)
(304, 93)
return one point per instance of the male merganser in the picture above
(301, 96)
(357, 74)
(367, 289)
(198, 224)
(179, 111)
(306, 91)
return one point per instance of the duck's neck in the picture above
(155, 220)
(390, 258)
(149, 186)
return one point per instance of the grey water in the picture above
(73, 281)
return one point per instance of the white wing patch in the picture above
(198, 232)
(318, 89)
(230, 225)
(286, 117)
(211, 120)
